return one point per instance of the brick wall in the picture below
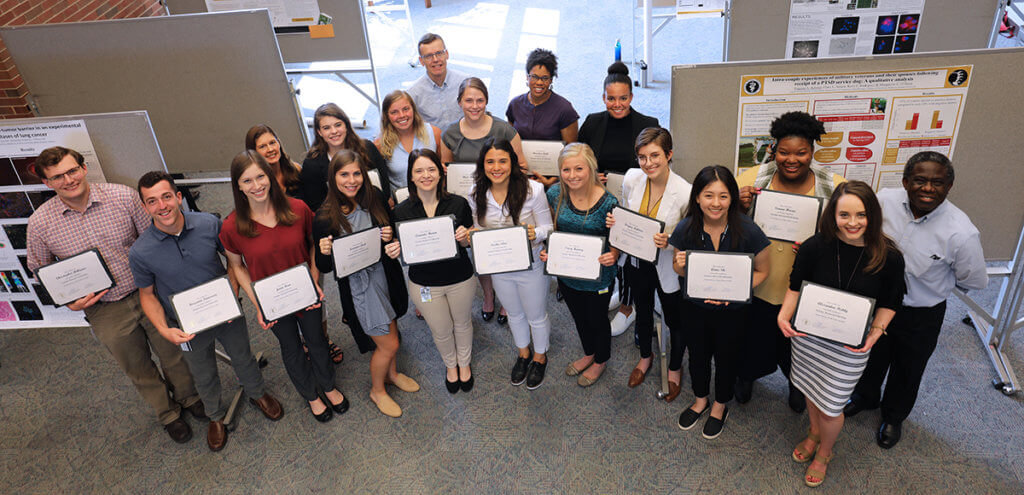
(22, 12)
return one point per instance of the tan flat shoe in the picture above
(405, 384)
(387, 406)
(571, 370)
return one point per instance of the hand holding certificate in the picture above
(501, 250)
(206, 305)
(459, 179)
(634, 233)
(833, 314)
(542, 156)
(428, 239)
(285, 292)
(356, 251)
(719, 276)
(786, 216)
(75, 277)
(574, 256)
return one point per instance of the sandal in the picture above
(801, 455)
(814, 473)
(336, 354)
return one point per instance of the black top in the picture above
(313, 177)
(752, 240)
(613, 139)
(824, 263)
(445, 272)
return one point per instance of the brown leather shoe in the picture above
(673, 391)
(216, 435)
(270, 406)
(178, 430)
(637, 377)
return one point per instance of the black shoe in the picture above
(713, 426)
(502, 319)
(855, 406)
(744, 390)
(797, 402)
(467, 385)
(340, 408)
(451, 386)
(519, 370)
(197, 410)
(324, 416)
(178, 430)
(558, 295)
(689, 417)
(535, 375)
(487, 315)
(889, 434)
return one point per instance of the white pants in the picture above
(524, 295)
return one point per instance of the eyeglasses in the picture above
(74, 173)
(432, 56)
(543, 79)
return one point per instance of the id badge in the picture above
(425, 294)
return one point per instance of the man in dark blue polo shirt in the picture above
(180, 251)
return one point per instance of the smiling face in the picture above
(575, 173)
(349, 179)
(653, 161)
(714, 201)
(539, 81)
(400, 114)
(851, 219)
(474, 104)
(497, 166)
(255, 184)
(617, 98)
(67, 179)
(927, 187)
(793, 158)
(425, 175)
(268, 147)
(331, 130)
(434, 58)
(164, 205)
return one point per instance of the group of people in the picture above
(906, 248)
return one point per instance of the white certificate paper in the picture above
(633, 234)
(460, 178)
(401, 195)
(426, 240)
(374, 178)
(542, 156)
(501, 250)
(206, 305)
(614, 185)
(786, 216)
(285, 292)
(719, 276)
(833, 314)
(356, 251)
(574, 255)
(76, 276)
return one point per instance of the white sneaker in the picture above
(621, 322)
(614, 302)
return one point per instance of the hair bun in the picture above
(618, 68)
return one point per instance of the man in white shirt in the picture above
(436, 93)
(942, 250)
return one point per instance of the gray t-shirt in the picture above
(468, 150)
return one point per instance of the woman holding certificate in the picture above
(269, 233)
(849, 253)
(580, 205)
(504, 197)
(354, 207)
(714, 224)
(654, 191)
(402, 130)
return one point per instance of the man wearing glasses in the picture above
(109, 217)
(436, 93)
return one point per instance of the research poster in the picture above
(24, 303)
(874, 121)
(843, 28)
(283, 13)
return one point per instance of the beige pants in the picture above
(448, 316)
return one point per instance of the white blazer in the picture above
(677, 195)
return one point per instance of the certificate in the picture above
(574, 256)
(633, 234)
(206, 305)
(460, 178)
(401, 195)
(286, 292)
(832, 314)
(786, 216)
(501, 250)
(542, 156)
(719, 276)
(374, 176)
(75, 277)
(614, 185)
(428, 239)
(356, 251)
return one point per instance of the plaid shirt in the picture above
(112, 221)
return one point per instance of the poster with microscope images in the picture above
(24, 303)
(874, 121)
(843, 28)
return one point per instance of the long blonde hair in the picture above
(389, 138)
(569, 151)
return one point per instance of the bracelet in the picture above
(880, 328)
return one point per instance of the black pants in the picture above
(589, 309)
(318, 370)
(643, 283)
(903, 354)
(714, 333)
(763, 347)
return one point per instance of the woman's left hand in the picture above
(393, 249)
(531, 233)
(661, 240)
(386, 233)
(461, 235)
(608, 259)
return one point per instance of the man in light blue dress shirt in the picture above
(942, 251)
(436, 93)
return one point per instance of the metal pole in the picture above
(727, 14)
(645, 63)
(1000, 12)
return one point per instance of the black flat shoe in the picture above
(340, 408)
(519, 369)
(466, 385)
(857, 405)
(889, 434)
(487, 315)
(324, 416)
(451, 386)
(502, 319)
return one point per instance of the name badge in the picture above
(425, 294)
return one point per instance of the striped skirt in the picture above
(825, 372)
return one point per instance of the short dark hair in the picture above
(929, 156)
(427, 39)
(799, 124)
(51, 157)
(150, 179)
(656, 135)
(543, 58)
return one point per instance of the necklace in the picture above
(839, 272)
